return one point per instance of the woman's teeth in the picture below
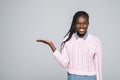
(81, 29)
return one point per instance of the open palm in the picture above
(44, 41)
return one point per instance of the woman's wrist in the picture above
(52, 46)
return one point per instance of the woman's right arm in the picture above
(62, 58)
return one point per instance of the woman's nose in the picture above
(81, 25)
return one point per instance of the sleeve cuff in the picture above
(56, 54)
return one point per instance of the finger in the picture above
(42, 41)
(39, 40)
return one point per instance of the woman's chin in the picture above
(81, 32)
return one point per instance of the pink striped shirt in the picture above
(81, 56)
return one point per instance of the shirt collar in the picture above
(84, 37)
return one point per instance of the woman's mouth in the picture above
(81, 31)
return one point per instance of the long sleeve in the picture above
(98, 60)
(62, 57)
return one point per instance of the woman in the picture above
(81, 53)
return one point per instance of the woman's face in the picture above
(82, 25)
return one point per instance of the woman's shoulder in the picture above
(95, 39)
(69, 41)
(65, 38)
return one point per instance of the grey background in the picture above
(24, 21)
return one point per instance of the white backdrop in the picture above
(24, 21)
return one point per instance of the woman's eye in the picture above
(85, 23)
(77, 23)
